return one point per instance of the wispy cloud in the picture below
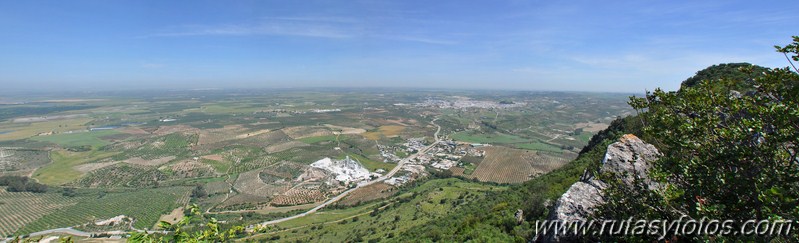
(331, 27)
(275, 29)
(418, 39)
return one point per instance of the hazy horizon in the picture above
(623, 47)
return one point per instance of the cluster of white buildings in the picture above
(346, 170)
(464, 102)
(442, 156)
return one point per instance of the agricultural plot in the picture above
(306, 131)
(250, 163)
(544, 162)
(457, 171)
(253, 133)
(370, 164)
(22, 159)
(12, 131)
(188, 169)
(88, 138)
(132, 130)
(286, 170)
(262, 140)
(345, 130)
(298, 196)
(210, 136)
(252, 182)
(312, 140)
(217, 187)
(505, 165)
(18, 209)
(539, 146)
(368, 193)
(386, 131)
(165, 130)
(62, 170)
(122, 175)
(174, 144)
(489, 138)
(219, 163)
(149, 162)
(85, 168)
(284, 146)
(306, 154)
(244, 201)
(144, 205)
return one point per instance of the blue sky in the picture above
(621, 46)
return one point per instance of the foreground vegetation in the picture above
(729, 151)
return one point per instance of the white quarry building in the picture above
(346, 170)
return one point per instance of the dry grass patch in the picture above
(214, 157)
(368, 193)
(306, 131)
(172, 217)
(591, 126)
(84, 168)
(191, 168)
(384, 131)
(12, 131)
(250, 134)
(164, 130)
(245, 201)
(250, 182)
(345, 130)
(285, 146)
(209, 136)
(151, 162)
(133, 131)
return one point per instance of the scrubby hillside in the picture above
(492, 218)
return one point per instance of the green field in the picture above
(26, 130)
(78, 139)
(468, 169)
(489, 138)
(371, 165)
(311, 140)
(539, 146)
(61, 170)
(219, 166)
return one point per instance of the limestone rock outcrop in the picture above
(629, 158)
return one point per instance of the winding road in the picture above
(345, 193)
(72, 231)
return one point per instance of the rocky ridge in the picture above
(630, 158)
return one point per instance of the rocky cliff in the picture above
(627, 159)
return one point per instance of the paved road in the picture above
(379, 179)
(72, 231)
(391, 173)
(68, 230)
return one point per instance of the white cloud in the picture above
(331, 27)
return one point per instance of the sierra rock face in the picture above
(629, 158)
